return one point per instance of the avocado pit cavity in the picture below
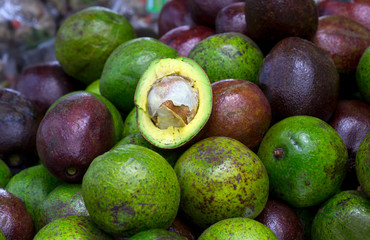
(172, 101)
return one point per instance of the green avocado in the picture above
(32, 185)
(130, 189)
(363, 164)
(228, 56)
(221, 178)
(65, 200)
(130, 124)
(237, 229)
(86, 39)
(72, 227)
(157, 234)
(124, 67)
(306, 160)
(171, 155)
(346, 215)
(5, 174)
(363, 75)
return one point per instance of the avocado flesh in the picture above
(172, 101)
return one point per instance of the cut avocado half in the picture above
(173, 101)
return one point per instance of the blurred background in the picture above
(28, 27)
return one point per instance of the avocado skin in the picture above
(299, 78)
(124, 67)
(269, 21)
(344, 216)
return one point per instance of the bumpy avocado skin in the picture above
(313, 162)
(158, 234)
(131, 189)
(5, 174)
(344, 216)
(221, 178)
(65, 200)
(363, 75)
(72, 227)
(124, 67)
(86, 39)
(32, 185)
(238, 228)
(171, 155)
(228, 56)
(363, 165)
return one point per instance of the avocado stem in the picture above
(278, 153)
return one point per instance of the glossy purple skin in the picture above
(351, 120)
(358, 10)
(173, 14)
(344, 39)
(72, 133)
(204, 12)
(184, 38)
(44, 83)
(16, 221)
(282, 220)
(19, 120)
(231, 19)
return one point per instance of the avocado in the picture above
(238, 228)
(228, 55)
(16, 221)
(32, 185)
(282, 220)
(299, 78)
(86, 39)
(65, 200)
(171, 155)
(130, 189)
(221, 178)
(72, 227)
(346, 215)
(173, 101)
(158, 234)
(124, 67)
(363, 164)
(72, 133)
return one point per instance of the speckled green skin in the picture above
(86, 39)
(221, 178)
(5, 174)
(124, 67)
(32, 185)
(157, 234)
(65, 200)
(238, 229)
(72, 227)
(363, 75)
(363, 165)
(131, 189)
(130, 125)
(228, 55)
(314, 162)
(346, 215)
(171, 155)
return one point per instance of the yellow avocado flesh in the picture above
(170, 136)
